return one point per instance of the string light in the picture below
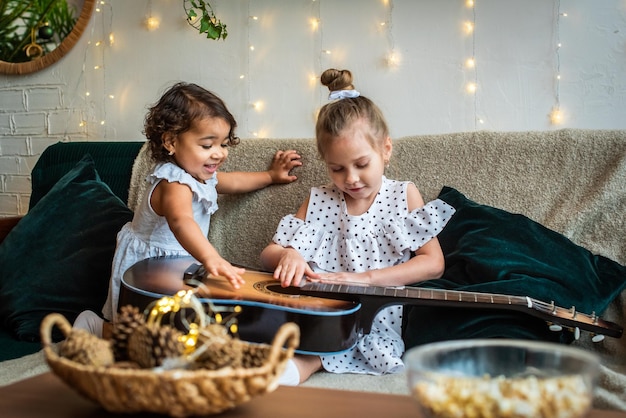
(556, 114)
(470, 63)
(152, 23)
(393, 57)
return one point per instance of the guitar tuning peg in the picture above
(597, 338)
(555, 327)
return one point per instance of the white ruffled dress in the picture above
(331, 240)
(148, 234)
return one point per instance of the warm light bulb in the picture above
(152, 23)
(251, 47)
(469, 27)
(470, 63)
(327, 52)
(111, 39)
(393, 59)
(469, 3)
(258, 106)
(556, 117)
(315, 23)
(241, 77)
(471, 88)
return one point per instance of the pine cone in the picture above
(128, 320)
(151, 344)
(253, 356)
(218, 348)
(85, 348)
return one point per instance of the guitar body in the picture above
(326, 325)
(331, 316)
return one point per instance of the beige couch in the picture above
(572, 181)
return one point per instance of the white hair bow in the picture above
(343, 94)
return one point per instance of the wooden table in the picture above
(47, 396)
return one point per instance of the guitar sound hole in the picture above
(275, 288)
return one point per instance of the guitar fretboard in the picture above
(416, 295)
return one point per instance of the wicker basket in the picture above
(176, 392)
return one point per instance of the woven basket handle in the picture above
(287, 335)
(48, 323)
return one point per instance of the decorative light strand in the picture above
(152, 22)
(316, 26)
(253, 106)
(393, 58)
(470, 63)
(556, 115)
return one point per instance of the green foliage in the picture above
(201, 16)
(19, 18)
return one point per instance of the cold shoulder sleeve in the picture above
(346, 244)
(205, 193)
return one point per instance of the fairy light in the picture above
(556, 114)
(470, 63)
(393, 57)
(152, 23)
(258, 105)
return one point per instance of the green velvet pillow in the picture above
(493, 251)
(58, 257)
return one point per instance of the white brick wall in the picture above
(31, 119)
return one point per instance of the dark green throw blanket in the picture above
(490, 250)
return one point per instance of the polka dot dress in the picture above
(332, 240)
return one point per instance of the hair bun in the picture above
(337, 79)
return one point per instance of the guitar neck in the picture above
(376, 297)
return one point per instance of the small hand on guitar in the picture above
(218, 266)
(292, 269)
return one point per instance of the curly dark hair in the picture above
(176, 111)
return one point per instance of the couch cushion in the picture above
(58, 257)
(112, 159)
(493, 251)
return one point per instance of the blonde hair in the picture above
(337, 115)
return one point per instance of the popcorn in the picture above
(500, 397)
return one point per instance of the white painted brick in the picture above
(43, 98)
(30, 123)
(9, 204)
(12, 100)
(14, 146)
(5, 124)
(15, 165)
(65, 122)
(27, 164)
(17, 184)
(23, 202)
(39, 144)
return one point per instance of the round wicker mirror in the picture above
(63, 48)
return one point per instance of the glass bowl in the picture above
(501, 378)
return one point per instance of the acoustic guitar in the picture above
(331, 316)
